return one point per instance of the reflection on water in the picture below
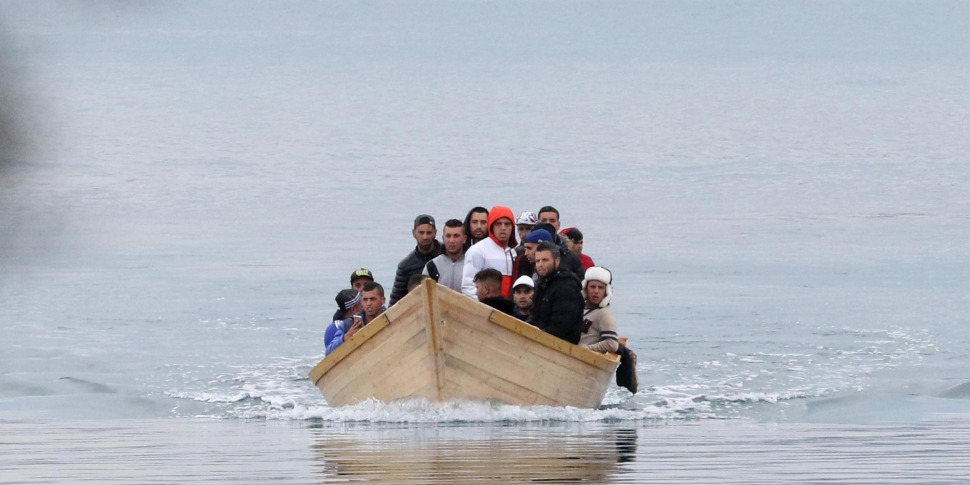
(242, 451)
(463, 455)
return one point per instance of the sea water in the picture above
(780, 190)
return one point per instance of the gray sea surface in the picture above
(781, 189)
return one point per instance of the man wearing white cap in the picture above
(522, 292)
(599, 325)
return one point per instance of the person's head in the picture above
(454, 237)
(522, 291)
(476, 224)
(547, 258)
(500, 225)
(361, 277)
(372, 299)
(574, 239)
(523, 226)
(598, 287)
(415, 281)
(424, 232)
(549, 215)
(488, 283)
(348, 303)
(531, 242)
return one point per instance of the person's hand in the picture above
(358, 324)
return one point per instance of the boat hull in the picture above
(440, 345)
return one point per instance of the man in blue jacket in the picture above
(344, 325)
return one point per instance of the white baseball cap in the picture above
(524, 280)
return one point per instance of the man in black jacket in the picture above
(428, 247)
(567, 259)
(558, 300)
(488, 289)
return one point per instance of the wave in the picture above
(731, 385)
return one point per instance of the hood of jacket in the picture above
(497, 213)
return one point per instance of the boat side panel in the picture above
(391, 364)
(491, 361)
(401, 372)
(533, 373)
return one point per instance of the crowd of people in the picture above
(523, 266)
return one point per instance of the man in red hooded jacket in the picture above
(497, 251)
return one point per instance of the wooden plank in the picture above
(551, 341)
(434, 335)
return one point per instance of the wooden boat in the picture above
(440, 345)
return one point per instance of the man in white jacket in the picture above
(497, 251)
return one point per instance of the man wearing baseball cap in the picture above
(361, 277)
(428, 247)
(522, 291)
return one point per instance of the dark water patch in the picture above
(83, 385)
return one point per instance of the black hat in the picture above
(361, 273)
(424, 219)
(548, 227)
(346, 300)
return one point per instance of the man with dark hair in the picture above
(415, 281)
(558, 300)
(550, 215)
(488, 289)
(573, 238)
(569, 259)
(476, 226)
(361, 277)
(447, 267)
(427, 248)
(372, 299)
